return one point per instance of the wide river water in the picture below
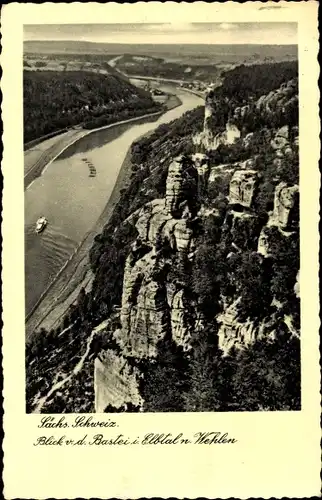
(72, 193)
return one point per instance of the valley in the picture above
(192, 296)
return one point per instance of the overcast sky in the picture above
(218, 33)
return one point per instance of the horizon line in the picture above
(159, 43)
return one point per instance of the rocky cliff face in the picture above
(158, 300)
(208, 140)
(153, 305)
(116, 382)
(284, 219)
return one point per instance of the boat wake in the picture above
(46, 253)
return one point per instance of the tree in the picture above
(252, 275)
(209, 274)
(166, 379)
(268, 377)
(82, 303)
(204, 393)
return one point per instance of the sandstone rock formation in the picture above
(201, 163)
(242, 187)
(116, 383)
(241, 229)
(209, 138)
(144, 311)
(232, 133)
(284, 217)
(211, 141)
(150, 218)
(211, 109)
(281, 139)
(181, 320)
(146, 314)
(247, 140)
(286, 206)
(233, 333)
(220, 171)
(297, 285)
(181, 187)
(263, 243)
(238, 334)
(240, 112)
(280, 99)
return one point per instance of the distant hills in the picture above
(65, 46)
(214, 53)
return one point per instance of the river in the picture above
(72, 193)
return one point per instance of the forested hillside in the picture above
(55, 100)
(196, 275)
(236, 98)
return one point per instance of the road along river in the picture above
(72, 193)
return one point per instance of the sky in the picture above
(156, 33)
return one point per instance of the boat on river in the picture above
(41, 224)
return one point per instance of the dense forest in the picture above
(237, 98)
(56, 100)
(266, 374)
(244, 82)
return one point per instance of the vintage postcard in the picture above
(160, 250)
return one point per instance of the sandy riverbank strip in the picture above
(44, 153)
(68, 139)
(76, 273)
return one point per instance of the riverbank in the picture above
(44, 153)
(76, 273)
(65, 142)
(35, 142)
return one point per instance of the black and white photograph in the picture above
(160, 264)
(161, 200)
